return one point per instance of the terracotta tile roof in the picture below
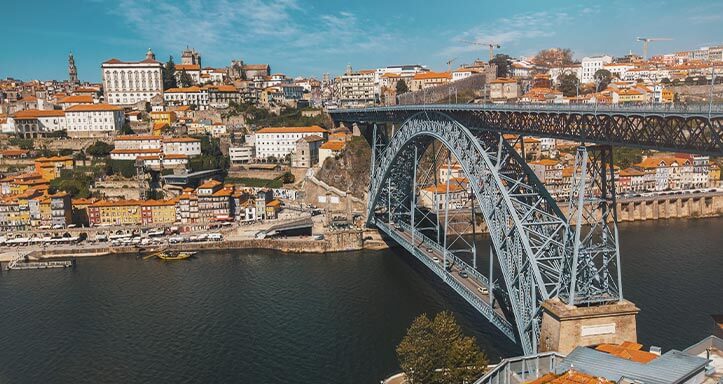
(628, 172)
(310, 129)
(432, 75)
(14, 152)
(629, 351)
(80, 99)
(570, 377)
(312, 138)
(36, 113)
(503, 80)
(116, 203)
(546, 162)
(209, 184)
(442, 188)
(137, 137)
(193, 89)
(187, 67)
(133, 151)
(274, 203)
(94, 108)
(180, 140)
(333, 145)
(53, 159)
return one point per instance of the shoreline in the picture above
(335, 243)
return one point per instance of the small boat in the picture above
(172, 256)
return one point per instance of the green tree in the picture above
(126, 129)
(26, 144)
(288, 177)
(436, 351)
(169, 74)
(568, 84)
(602, 77)
(503, 64)
(401, 87)
(185, 79)
(100, 149)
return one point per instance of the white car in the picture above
(483, 290)
(435, 259)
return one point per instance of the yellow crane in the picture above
(647, 40)
(491, 46)
(449, 64)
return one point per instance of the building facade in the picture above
(128, 82)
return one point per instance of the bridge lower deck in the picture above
(475, 288)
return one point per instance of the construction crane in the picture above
(647, 40)
(449, 64)
(492, 46)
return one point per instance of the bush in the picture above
(126, 168)
(26, 144)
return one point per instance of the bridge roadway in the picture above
(475, 289)
(691, 129)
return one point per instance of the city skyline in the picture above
(302, 39)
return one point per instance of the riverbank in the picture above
(340, 241)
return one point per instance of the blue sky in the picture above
(303, 37)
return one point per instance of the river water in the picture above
(265, 317)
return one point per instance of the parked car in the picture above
(435, 259)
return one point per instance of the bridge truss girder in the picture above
(527, 229)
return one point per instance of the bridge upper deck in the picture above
(691, 129)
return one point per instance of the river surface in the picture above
(265, 317)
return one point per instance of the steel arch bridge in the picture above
(542, 254)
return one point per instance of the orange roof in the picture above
(53, 159)
(629, 351)
(132, 151)
(82, 99)
(161, 113)
(94, 108)
(503, 80)
(180, 140)
(157, 203)
(14, 152)
(310, 129)
(333, 145)
(183, 90)
(569, 377)
(136, 137)
(36, 113)
(209, 184)
(187, 67)
(432, 75)
(545, 162)
(274, 203)
(392, 75)
(116, 203)
(631, 172)
(442, 188)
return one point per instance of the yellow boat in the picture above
(172, 256)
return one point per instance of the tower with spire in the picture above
(72, 70)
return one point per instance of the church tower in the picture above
(72, 70)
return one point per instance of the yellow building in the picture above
(119, 212)
(165, 117)
(667, 96)
(15, 185)
(49, 167)
(158, 212)
(714, 175)
(630, 96)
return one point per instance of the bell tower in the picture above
(72, 70)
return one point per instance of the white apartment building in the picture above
(591, 64)
(241, 155)
(128, 82)
(137, 142)
(181, 146)
(93, 120)
(619, 70)
(33, 123)
(187, 96)
(463, 73)
(281, 141)
(193, 71)
(357, 89)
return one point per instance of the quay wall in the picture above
(333, 242)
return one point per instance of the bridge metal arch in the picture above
(526, 227)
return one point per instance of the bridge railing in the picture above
(461, 264)
(696, 109)
(522, 369)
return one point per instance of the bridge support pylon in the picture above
(590, 308)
